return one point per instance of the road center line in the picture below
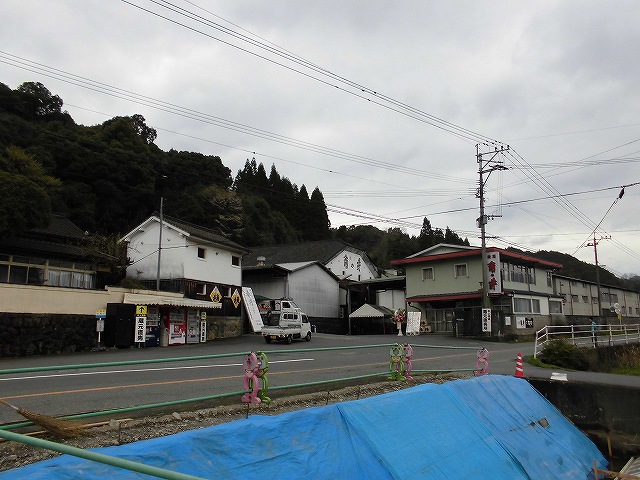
(109, 372)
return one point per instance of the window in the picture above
(461, 270)
(614, 298)
(522, 274)
(28, 270)
(427, 273)
(594, 300)
(201, 252)
(235, 260)
(555, 306)
(585, 299)
(526, 305)
(549, 279)
(535, 305)
(521, 305)
(574, 298)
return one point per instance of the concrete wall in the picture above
(37, 299)
(37, 320)
(599, 411)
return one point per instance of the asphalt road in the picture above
(186, 372)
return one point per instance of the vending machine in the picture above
(152, 338)
(177, 326)
(193, 326)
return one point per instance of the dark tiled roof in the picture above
(60, 227)
(322, 251)
(32, 246)
(204, 233)
(61, 238)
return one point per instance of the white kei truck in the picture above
(287, 324)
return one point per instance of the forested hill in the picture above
(108, 178)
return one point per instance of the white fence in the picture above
(587, 335)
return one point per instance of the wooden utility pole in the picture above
(485, 167)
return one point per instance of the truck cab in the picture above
(288, 324)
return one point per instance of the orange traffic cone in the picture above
(519, 370)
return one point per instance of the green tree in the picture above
(319, 228)
(39, 102)
(23, 205)
(224, 210)
(426, 237)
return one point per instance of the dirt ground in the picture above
(118, 432)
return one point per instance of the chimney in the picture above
(261, 261)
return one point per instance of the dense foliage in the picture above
(562, 353)
(107, 178)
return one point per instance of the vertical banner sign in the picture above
(203, 331)
(486, 320)
(141, 324)
(141, 329)
(493, 272)
(413, 323)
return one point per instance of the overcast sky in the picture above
(379, 104)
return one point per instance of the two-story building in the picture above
(444, 283)
(580, 301)
(197, 277)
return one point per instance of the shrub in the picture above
(564, 354)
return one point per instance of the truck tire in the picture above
(267, 339)
(289, 339)
(307, 338)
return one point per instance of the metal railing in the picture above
(588, 336)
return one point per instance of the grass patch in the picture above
(560, 353)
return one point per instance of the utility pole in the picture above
(159, 246)
(485, 167)
(595, 253)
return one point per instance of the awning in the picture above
(148, 299)
(444, 298)
(371, 311)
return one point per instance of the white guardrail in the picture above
(587, 335)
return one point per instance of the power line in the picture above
(357, 89)
(105, 89)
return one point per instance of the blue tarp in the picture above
(492, 426)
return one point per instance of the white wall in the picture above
(354, 265)
(392, 299)
(315, 291)
(179, 258)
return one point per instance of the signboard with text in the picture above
(486, 320)
(252, 309)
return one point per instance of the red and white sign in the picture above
(493, 272)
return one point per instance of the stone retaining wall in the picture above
(23, 334)
(45, 334)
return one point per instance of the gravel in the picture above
(119, 432)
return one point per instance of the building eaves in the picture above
(477, 252)
(445, 297)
